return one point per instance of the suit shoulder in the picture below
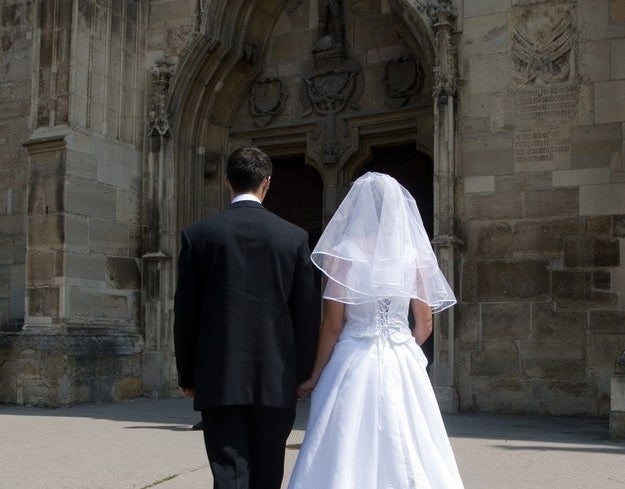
(203, 225)
(287, 226)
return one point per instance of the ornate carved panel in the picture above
(542, 45)
(403, 78)
(267, 99)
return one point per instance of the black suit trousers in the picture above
(246, 445)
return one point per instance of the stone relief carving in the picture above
(542, 43)
(267, 99)
(403, 78)
(158, 119)
(211, 163)
(331, 27)
(329, 93)
(250, 52)
(443, 17)
(333, 83)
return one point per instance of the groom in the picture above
(245, 327)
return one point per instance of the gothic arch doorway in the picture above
(256, 74)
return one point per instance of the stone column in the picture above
(445, 241)
(157, 263)
(617, 402)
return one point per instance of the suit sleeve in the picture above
(305, 313)
(187, 309)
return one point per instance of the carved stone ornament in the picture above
(403, 78)
(210, 163)
(541, 47)
(267, 99)
(331, 29)
(443, 16)
(250, 52)
(329, 93)
(158, 125)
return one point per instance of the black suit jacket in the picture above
(245, 325)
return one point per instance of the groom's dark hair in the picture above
(247, 168)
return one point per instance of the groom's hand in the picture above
(305, 389)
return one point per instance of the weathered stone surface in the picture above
(496, 359)
(487, 156)
(607, 322)
(588, 251)
(560, 359)
(541, 238)
(550, 324)
(46, 230)
(601, 226)
(85, 266)
(468, 325)
(591, 146)
(494, 241)
(110, 306)
(609, 101)
(108, 237)
(42, 267)
(516, 182)
(598, 200)
(494, 206)
(505, 280)
(559, 202)
(504, 395)
(602, 349)
(44, 301)
(52, 370)
(575, 289)
(79, 301)
(570, 398)
(122, 273)
(91, 199)
(506, 320)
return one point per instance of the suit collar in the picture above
(246, 203)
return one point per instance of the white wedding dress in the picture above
(374, 421)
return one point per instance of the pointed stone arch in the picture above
(211, 82)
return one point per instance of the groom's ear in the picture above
(229, 187)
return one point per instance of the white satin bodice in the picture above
(385, 318)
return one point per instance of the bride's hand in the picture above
(305, 389)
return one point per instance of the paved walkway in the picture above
(148, 444)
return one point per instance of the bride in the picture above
(374, 420)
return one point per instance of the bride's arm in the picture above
(331, 327)
(423, 320)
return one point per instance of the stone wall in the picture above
(542, 133)
(81, 339)
(15, 98)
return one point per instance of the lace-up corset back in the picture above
(383, 317)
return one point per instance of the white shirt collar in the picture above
(241, 197)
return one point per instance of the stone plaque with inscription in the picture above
(541, 149)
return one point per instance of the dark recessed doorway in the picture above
(411, 168)
(296, 194)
